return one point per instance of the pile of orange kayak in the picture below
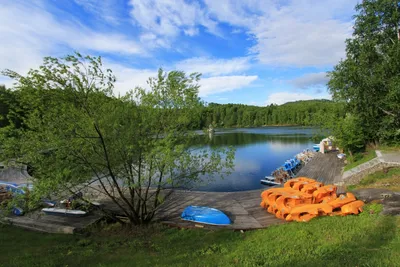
(302, 199)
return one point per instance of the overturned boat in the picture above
(205, 215)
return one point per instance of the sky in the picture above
(254, 52)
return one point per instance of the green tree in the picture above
(367, 80)
(348, 134)
(79, 135)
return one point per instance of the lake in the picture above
(259, 151)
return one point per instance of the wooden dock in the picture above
(325, 168)
(243, 208)
(38, 221)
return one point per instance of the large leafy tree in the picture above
(368, 79)
(78, 134)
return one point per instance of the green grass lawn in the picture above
(359, 158)
(364, 240)
(380, 179)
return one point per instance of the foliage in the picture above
(367, 80)
(359, 158)
(77, 134)
(365, 240)
(347, 130)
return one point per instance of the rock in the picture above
(389, 199)
(391, 210)
(369, 194)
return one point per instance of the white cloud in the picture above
(291, 33)
(287, 41)
(236, 12)
(129, 78)
(211, 66)
(219, 84)
(167, 18)
(37, 33)
(105, 9)
(284, 97)
(310, 80)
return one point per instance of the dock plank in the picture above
(325, 168)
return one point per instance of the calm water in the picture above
(259, 151)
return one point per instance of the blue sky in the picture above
(249, 51)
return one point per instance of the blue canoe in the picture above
(205, 215)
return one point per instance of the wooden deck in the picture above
(243, 208)
(38, 221)
(325, 168)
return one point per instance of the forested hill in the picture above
(306, 112)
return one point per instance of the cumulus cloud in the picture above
(128, 78)
(219, 84)
(284, 97)
(310, 80)
(171, 18)
(291, 33)
(212, 66)
(37, 33)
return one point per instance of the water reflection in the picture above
(259, 151)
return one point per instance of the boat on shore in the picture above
(288, 170)
(64, 212)
(316, 147)
(205, 215)
(269, 182)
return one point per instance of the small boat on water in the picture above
(64, 212)
(205, 215)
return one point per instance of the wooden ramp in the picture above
(243, 208)
(38, 221)
(325, 168)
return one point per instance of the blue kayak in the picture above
(205, 215)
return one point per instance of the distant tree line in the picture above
(306, 112)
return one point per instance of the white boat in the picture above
(64, 212)
(269, 182)
(270, 178)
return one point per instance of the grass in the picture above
(368, 239)
(359, 158)
(389, 179)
